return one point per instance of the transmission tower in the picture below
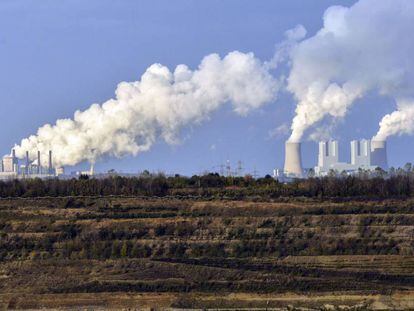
(255, 173)
(239, 168)
(228, 168)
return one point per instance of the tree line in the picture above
(398, 184)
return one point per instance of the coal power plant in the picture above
(365, 155)
(13, 168)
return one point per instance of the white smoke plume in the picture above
(398, 122)
(157, 106)
(364, 48)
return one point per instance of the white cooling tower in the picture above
(293, 160)
(379, 154)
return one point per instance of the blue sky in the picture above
(60, 56)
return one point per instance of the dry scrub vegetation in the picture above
(129, 252)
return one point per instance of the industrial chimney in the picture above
(26, 169)
(14, 161)
(39, 166)
(293, 160)
(379, 154)
(50, 162)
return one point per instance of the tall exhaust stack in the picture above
(39, 166)
(293, 159)
(14, 161)
(50, 162)
(379, 154)
(26, 169)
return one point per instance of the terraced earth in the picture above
(137, 252)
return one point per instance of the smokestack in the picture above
(379, 154)
(293, 159)
(14, 161)
(26, 169)
(50, 161)
(39, 166)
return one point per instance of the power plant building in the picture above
(365, 155)
(12, 168)
(379, 153)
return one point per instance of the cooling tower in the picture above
(293, 160)
(379, 154)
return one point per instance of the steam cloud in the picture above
(398, 122)
(157, 106)
(364, 48)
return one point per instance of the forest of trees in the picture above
(395, 183)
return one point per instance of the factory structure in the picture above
(13, 168)
(365, 154)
